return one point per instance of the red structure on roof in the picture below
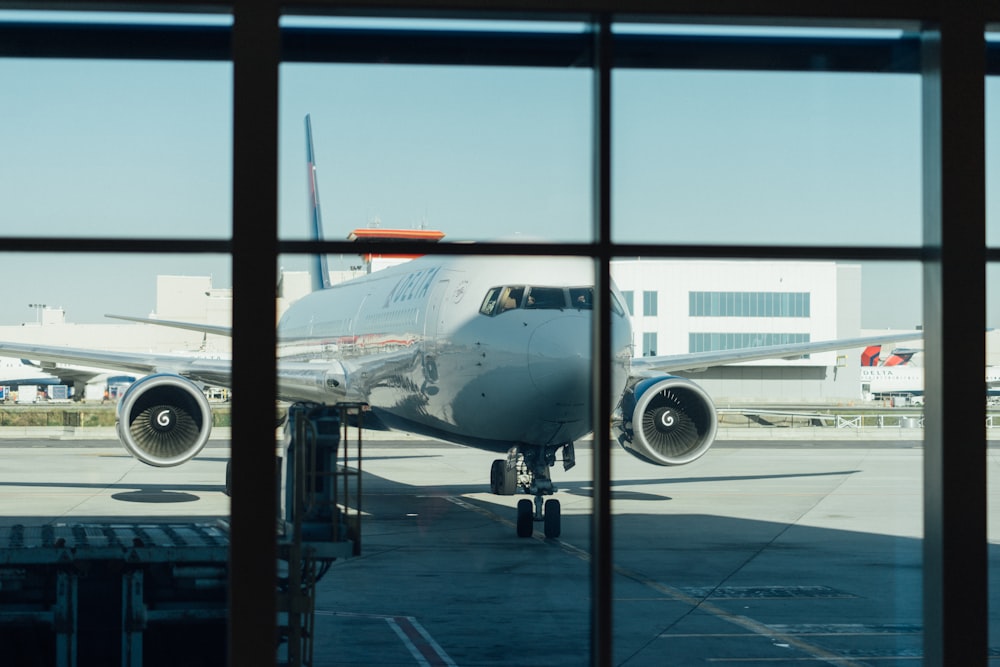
(379, 234)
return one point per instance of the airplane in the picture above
(895, 375)
(15, 372)
(872, 356)
(81, 380)
(490, 352)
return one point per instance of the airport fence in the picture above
(858, 421)
(47, 414)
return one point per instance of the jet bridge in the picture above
(322, 513)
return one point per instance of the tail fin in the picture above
(320, 271)
(870, 355)
(899, 357)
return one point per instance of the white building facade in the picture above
(682, 306)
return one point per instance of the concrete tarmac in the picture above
(762, 552)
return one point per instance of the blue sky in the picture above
(143, 149)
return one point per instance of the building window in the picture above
(629, 297)
(710, 342)
(749, 304)
(649, 303)
(649, 344)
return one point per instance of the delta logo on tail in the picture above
(894, 376)
(871, 356)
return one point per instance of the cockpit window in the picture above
(535, 297)
(511, 298)
(581, 297)
(491, 300)
(501, 299)
(546, 298)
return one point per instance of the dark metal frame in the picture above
(947, 47)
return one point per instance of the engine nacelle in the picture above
(164, 420)
(666, 421)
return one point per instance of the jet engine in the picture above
(164, 420)
(666, 421)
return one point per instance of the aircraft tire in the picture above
(525, 518)
(496, 477)
(503, 482)
(553, 518)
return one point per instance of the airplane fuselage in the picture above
(487, 351)
(15, 372)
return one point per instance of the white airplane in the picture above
(488, 352)
(892, 375)
(15, 372)
(20, 372)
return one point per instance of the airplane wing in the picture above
(296, 380)
(66, 375)
(190, 326)
(649, 366)
(209, 371)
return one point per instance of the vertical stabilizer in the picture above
(320, 271)
(870, 355)
(899, 358)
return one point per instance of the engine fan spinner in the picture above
(667, 421)
(164, 420)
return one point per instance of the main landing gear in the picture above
(527, 468)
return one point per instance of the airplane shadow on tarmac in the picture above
(807, 572)
(689, 588)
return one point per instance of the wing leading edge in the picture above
(201, 369)
(646, 366)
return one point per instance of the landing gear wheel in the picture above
(553, 513)
(503, 482)
(525, 518)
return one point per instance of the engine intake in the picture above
(667, 421)
(164, 420)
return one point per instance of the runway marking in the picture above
(421, 645)
(755, 627)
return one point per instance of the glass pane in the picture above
(992, 155)
(478, 153)
(68, 376)
(992, 435)
(121, 149)
(767, 546)
(473, 393)
(744, 157)
(992, 92)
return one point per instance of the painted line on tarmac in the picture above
(755, 627)
(421, 645)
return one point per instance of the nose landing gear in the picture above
(528, 513)
(527, 468)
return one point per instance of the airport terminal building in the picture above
(678, 306)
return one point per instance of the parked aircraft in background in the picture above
(80, 381)
(15, 372)
(896, 375)
(488, 352)
(901, 375)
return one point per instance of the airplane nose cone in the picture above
(559, 361)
